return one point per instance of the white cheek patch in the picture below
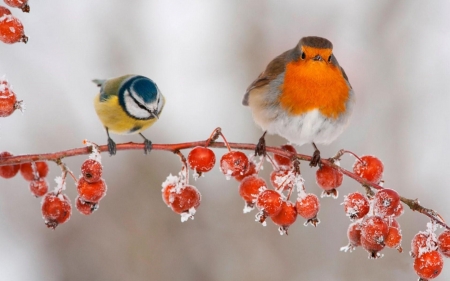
(133, 108)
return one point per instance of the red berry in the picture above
(284, 161)
(394, 238)
(234, 163)
(166, 191)
(429, 265)
(269, 202)
(184, 199)
(251, 187)
(371, 247)
(386, 202)
(8, 101)
(374, 229)
(444, 243)
(56, 209)
(39, 187)
(308, 206)
(370, 169)
(84, 207)
(282, 178)
(35, 170)
(354, 235)
(21, 4)
(91, 191)
(328, 178)
(251, 170)
(398, 211)
(421, 243)
(9, 171)
(91, 170)
(201, 159)
(4, 11)
(286, 217)
(356, 205)
(11, 30)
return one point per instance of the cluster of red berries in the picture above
(91, 187)
(55, 206)
(177, 193)
(374, 225)
(8, 100)
(11, 28)
(34, 172)
(427, 250)
(272, 203)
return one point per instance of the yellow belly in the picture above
(116, 120)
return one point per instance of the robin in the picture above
(303, 95)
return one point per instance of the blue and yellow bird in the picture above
(128, 104)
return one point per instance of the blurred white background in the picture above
(203, 55)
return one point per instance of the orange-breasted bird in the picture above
(303, 95)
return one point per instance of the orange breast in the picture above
(310, 85)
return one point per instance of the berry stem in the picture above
(176, 147)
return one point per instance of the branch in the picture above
(413, 204)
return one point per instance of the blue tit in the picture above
(128, 104)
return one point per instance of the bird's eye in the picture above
(329, 58)
(303, 55)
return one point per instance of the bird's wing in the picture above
(273, 69)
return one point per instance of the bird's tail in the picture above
(99, 82)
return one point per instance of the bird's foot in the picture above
(147, 144)
(315, 160)
(260, 149)
(111, 147)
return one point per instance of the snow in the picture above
(188, 215)
(248, 208)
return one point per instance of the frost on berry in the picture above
(250, 188)
(8, 101)
(356, 205)
(201, 159)
(424, 241)
(251, 170)
(370, 169)
(286, 217)
(39, 187)
(282, 161)
(167, 187)
(307, 207)
(91, 170)
(282, 179)
(269, 203)
(56, 209)
(386, 202)
(374, 231)
(11, 30)
(394, 238)
(329, 179)
(4, 11)
(234, 163)
(8, 171)
(34, 170)
(184, 199)
(84, 207)
(21, 4)
(429, 265)
(444, 243)
(354, 237)
(91, 191)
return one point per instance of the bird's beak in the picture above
(317, 58)
(155, 114)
